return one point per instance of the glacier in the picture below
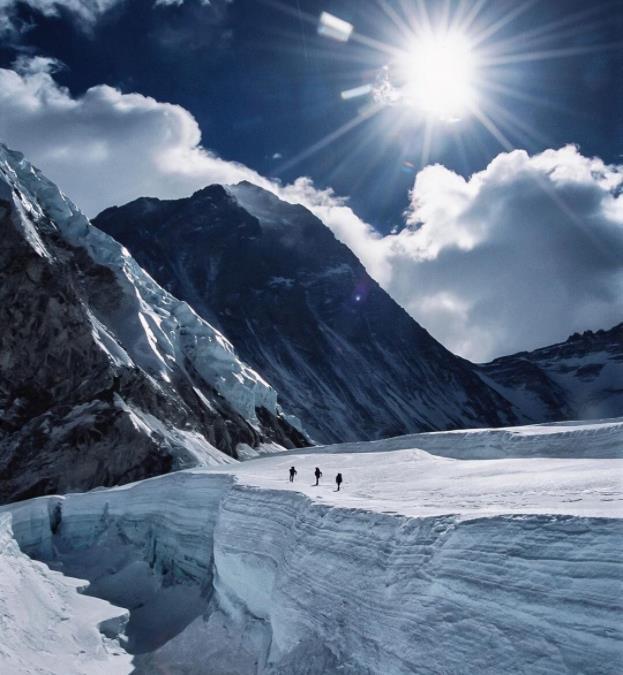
(422, 563)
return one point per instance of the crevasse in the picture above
(269, 581)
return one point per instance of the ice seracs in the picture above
(105, 377)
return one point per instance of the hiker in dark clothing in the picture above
(317, 473)
(292, 474)
(338, 480)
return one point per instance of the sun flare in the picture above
(437, 75)
(440, 63)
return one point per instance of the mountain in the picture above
(106, 378)
(580, 378)
(300, 308)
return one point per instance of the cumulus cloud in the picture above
(519, 255)
(106, 147)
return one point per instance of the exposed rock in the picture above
(581, 378)
(300, 307)
(106, 378)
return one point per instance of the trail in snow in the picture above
(415, 483)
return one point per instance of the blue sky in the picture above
(499, 229)
(261, 82)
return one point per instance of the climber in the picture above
(292, 474)
(318, 474)
(338, 480)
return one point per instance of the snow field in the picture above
(595, 439)
(417, 484)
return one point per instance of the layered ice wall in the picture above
(172, 533)
(277, 581)
(385, 594)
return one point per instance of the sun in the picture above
(443, 62)
(437, 75)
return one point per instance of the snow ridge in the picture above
(580, 378)
(599, 439)
(171, 330)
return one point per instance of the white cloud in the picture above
(520, 255)
(31, 65)
(107, 147)
(85, 12)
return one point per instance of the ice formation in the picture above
(422, 564)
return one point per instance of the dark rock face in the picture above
(581, 378)
(81, 402)
(301, 309)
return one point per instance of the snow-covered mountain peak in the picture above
(580, 378)
(87, 326)
(270, 210)
(301, 308)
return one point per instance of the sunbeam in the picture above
(448, 63)
(364, 115)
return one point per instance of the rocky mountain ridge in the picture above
(106, 378)
(580, 378)
(301, 309)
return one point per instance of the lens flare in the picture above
(443, 62)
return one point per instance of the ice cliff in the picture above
(424, 564)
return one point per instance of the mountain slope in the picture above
(106, 378)
(581, 378)
(300, 307)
